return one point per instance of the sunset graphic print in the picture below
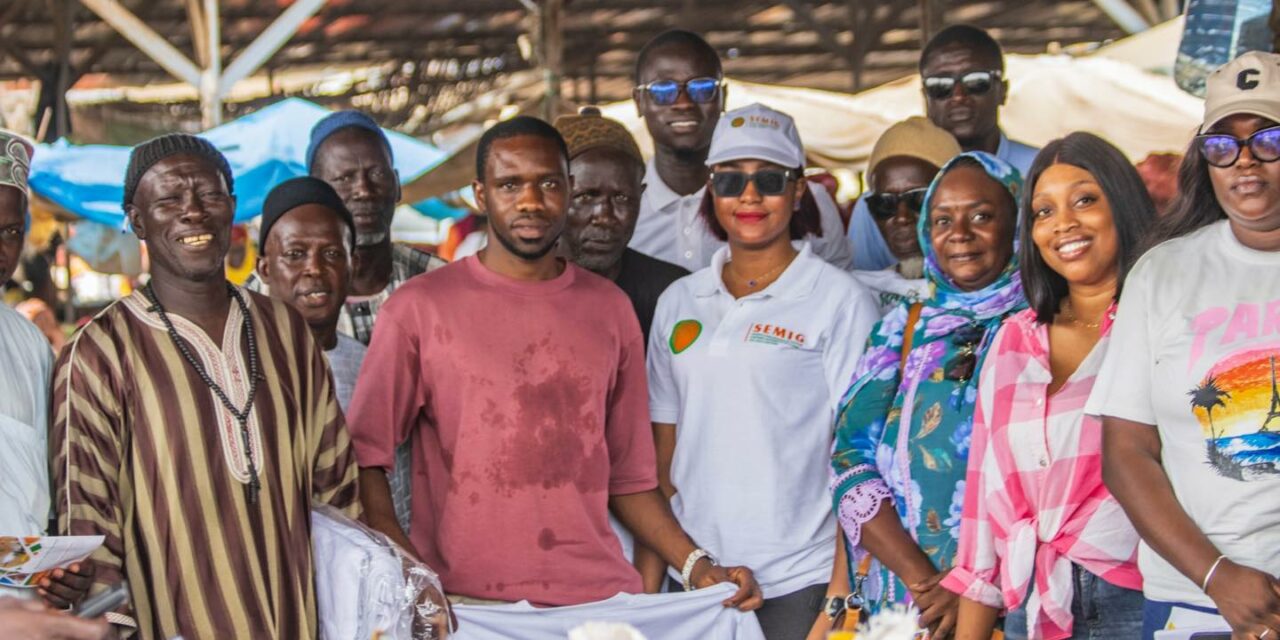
(1238, 406)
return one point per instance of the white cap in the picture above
(756, 132)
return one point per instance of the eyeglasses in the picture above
(1222, 151)
(975, 83)
(884, 205)
(666, 92)
(769, 182)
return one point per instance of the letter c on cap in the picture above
(1245, 80)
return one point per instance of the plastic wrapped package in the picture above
(368, 588)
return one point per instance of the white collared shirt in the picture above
(669, 228)
(752, 385)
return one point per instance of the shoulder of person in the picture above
(281, 313)
(1173, 255)
(25, 331)
(659, 268)
(419, 261)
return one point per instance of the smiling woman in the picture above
(765, 320)
(1083, 217)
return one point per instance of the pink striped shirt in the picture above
(1034, 499)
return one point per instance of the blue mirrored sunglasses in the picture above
(666, 92)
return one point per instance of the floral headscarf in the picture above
(949, 308)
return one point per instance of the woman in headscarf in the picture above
(902, 440)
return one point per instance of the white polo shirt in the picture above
(669, 228)
(753, 385)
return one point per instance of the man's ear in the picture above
(635, 97)
(263, 268)
(398, 186)
(724, 96)
(134, 217)
(1004, 91)
(478, 188)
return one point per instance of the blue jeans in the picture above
(1155, 615)
(1102, 611)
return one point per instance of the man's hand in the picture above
(1249, 599)
(938, 607)
(747, 598)
(30, 620)
(65, 588)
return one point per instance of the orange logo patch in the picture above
(684, 334)
(737, 122)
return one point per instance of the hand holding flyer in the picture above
(25, 559)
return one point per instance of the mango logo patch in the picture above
(684, 334)
(737, 122)
(774, 334)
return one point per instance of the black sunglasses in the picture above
(769, 182)
(975, 83)
(883, 205)
(666, 92)
(1222, 151)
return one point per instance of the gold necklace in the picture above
(1071, 317)
(754, 282)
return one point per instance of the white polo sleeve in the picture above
(664, 395)
(853, 324)
(1123, 386)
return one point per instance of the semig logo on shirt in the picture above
(774, 334)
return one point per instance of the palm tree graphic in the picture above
(1207, 396)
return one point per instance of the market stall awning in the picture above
(264, 148)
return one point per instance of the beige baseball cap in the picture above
(915, 137)
(1249, 84)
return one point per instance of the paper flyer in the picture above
(25, 559)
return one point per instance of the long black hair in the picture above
(1195, 206)
(1131, 211)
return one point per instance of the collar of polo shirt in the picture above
(797, 281)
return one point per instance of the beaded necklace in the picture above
(241, 415)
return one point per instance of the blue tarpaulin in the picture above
(264, 148)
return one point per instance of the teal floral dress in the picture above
(904, 429)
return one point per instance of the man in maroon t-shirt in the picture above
(519, 379)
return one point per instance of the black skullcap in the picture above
(147, 154)
(294, 193)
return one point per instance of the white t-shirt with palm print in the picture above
(1195, 350)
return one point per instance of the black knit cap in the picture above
(294, 193)
(147, 154)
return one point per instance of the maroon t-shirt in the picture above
(527, 407)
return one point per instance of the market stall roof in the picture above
(434, 56)
(264, 148)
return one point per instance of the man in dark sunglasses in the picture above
(903, 163)
(680, 93)
(962, 73)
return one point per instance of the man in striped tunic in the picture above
(195, 424)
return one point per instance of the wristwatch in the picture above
(832, 606)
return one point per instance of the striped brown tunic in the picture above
(145, 454)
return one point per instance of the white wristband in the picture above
(686, 574)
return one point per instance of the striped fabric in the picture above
(146, 455)
(1034, 500)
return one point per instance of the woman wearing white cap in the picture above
(748, 360)
(1189, 391)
